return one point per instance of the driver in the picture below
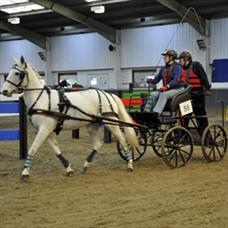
(170, 75)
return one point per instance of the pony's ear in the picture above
(15, 61)
(22, 60)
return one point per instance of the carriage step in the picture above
(167, 120)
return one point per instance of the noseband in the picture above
(22, 74)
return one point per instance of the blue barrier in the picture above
(16, 134)
(9, 134)
(9, 107)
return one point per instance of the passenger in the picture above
(170, 75)
(194, 74)
(63, 83)
(76, 87)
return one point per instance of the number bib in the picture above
(186, 107)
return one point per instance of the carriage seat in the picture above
(173, 104)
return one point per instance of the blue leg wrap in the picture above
(28, 161)
(128, 155)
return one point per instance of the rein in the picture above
(95, 119)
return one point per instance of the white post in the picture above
(208, 51)
(48, 72)
(115, 82)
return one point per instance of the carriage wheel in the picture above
(214, 143)
(156, 142)
(136, 153)
(177, 147)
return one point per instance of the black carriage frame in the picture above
(175, 142)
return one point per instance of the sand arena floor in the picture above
(107, 196)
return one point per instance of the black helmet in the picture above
(170, 52)
(186, 54)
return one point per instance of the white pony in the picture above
(39, 97)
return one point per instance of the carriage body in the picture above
(167, 135)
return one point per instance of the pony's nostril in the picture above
(4, 92)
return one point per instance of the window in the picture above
(70, 78)
(140, 77)
(100, 81)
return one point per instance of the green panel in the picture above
(134, 94)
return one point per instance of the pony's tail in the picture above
(129, 131)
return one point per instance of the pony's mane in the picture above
(35, 71)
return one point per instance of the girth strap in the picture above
(100, 102)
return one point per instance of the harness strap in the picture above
(34, 104)
(110, 104)
(49, 97)
(94, 119)
(100, 104)
(23, 73)
(63, 102)
(12, 83)
(45, 88)
(111, 114)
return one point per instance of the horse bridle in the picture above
(22, 74)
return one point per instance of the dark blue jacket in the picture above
(174, 74)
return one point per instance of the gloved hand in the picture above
(208, 93)
(149, 81)
(163, 88)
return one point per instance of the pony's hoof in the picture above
(24, 178)
(70, 173)
(130, 169)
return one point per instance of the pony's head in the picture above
(17, 78)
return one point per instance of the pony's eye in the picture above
(16, 73)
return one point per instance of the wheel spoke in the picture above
(214, 130)
(183, 137)
(210, 152)
(171, 157)
(210, 136)
(176, 158)
(214, 153)
(221, 140)
(139, 151)
(182, 157)
(220, 155)
(188, 153)
(221, 146)
(217, 135)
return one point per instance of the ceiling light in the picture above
(11, 2)
(14, 20)
(91, 0)
(24, 8)
(98, 9)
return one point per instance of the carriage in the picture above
(169, 138)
